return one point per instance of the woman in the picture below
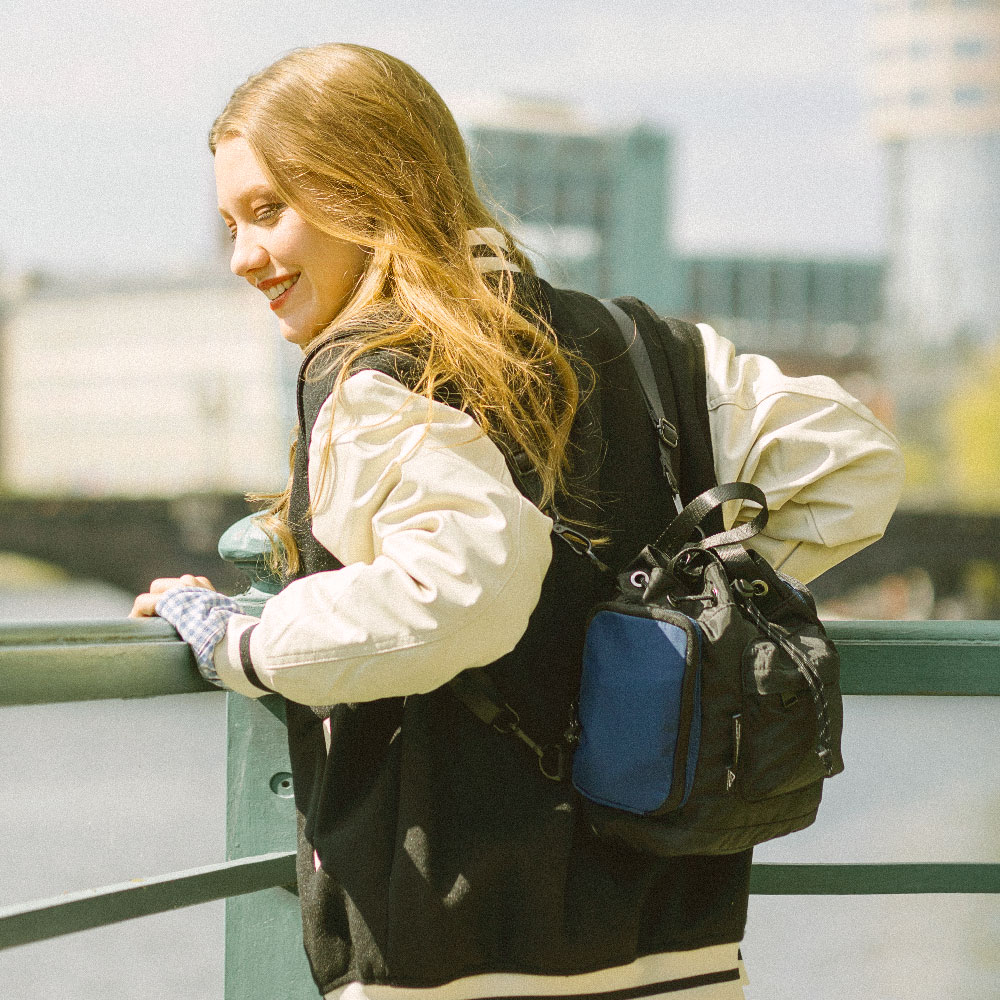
(434, 855)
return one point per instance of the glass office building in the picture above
(789, 306)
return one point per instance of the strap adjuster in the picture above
(579, 543)
(667, 432)
(554, 762)
(507, 720)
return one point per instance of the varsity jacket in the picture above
(433, 851)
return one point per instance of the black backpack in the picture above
(710, 710)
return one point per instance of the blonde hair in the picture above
(366, 150)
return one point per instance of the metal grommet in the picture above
(639, 579)
(751, 588)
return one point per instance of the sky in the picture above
(105, 109)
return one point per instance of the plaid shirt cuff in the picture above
(200, 617)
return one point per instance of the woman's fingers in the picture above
(144, 605)
(166, 583)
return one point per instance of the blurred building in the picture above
(799, 310)
(596, 206)
(149, 388)
(591, 205)
(153, 387)
(935, 81)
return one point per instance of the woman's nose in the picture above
(248, 256)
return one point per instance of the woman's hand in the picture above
(145, 604)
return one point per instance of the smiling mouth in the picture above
(278, 294)
(275, 292)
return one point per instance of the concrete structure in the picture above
(935, 81)
(144, 389)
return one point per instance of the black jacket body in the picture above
(443, 851)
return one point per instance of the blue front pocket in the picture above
(640, 709)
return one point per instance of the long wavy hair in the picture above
(363, 148)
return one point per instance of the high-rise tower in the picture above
(935, 77)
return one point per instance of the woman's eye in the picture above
(268, 212)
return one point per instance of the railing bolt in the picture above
(281, 784)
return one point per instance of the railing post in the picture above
(264, 955)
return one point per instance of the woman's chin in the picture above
(294, 333)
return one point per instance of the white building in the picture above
(145, 389)
(935, 80)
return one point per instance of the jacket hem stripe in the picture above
(637, 992)
(692, 972)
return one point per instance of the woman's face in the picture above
(306, 274)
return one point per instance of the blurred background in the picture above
(819, 180)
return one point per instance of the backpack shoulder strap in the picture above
(665, 426)
(677, 350)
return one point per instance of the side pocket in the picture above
(640, 710)
(781, 719)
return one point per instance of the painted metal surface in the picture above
(78, 911)
(73, 661)
(264, 954)
(918, 658)
(873, 879)
(43, 662)
(141, 897)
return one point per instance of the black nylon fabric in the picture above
(760, 771)
(444, 851)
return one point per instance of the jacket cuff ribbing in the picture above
(246, 662)
(233, 661)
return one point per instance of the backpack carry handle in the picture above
(680, 530)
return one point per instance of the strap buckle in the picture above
(579, 543)
(553, 762)
(507, 720)
(576, 540)
(667, 432)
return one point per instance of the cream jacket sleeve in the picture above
(832, 474)
(443, 558)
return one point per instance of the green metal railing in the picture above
(52, 662)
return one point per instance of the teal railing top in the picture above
(75, 661)
(43, 662)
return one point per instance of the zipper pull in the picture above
(737, 735)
